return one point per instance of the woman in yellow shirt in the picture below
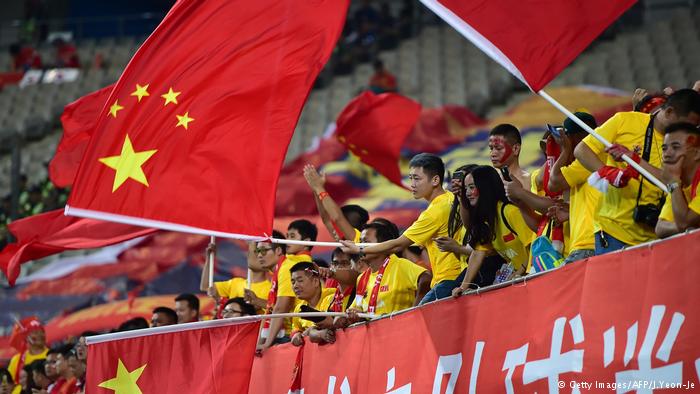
(494, 225)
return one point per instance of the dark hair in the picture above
(136, 323)
(64, 350)
(454, 221)
(378, 64)
(38, 366)
(356, 215)
(384, 229)
(431, 164)
(305, 228)
(684, 102)
(415, 249)
(246, 308)
(30, 379)
(684, 127)
(307, 266)
(278, 235)
(509, 132)
(192, 300)
(482, 217)
(320, 262)
(172, 316)
(4, 373)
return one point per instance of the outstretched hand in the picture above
(315, 180)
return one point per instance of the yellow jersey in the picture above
(511, 246)
(299, 324)
(693, 203)
(28, 359)
(234, 287)
(583, 206)
(431, 224)
(615, 214)
(397, 289)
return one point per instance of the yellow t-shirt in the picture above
(234, 288)
(299, 324)
(357, 236)
(431, 224)
(617, 204)
(284, 281)
(459, 237)
(694, 204)
(28, 359)
(512, 247)
(397, 289)
(583, 206)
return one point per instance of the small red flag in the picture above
(79, 120)
(51, 232)
(533, 40)
(217, 358)
(196, 129)
(374, 127)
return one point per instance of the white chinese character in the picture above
(391, 380)
(344, 386)
(644, 380)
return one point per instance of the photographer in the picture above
(630, 208)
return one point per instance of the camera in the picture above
(647, 214)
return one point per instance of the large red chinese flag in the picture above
(197, 358)
(533, 39)
(79, 120)
(374, 127)
(194, 134)
(52, 232)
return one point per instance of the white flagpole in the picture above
(211, 258)
(602, 140)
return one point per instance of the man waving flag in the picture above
(196, 129)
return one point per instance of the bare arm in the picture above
(386, 247)
(684, 217)
(423, 286)
(326, 206)
(665, 228)
(475, 261)
(283, 305)
(557, 183)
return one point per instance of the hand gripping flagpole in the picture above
(602, 140)
(207, 279)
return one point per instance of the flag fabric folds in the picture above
(534, 40)
(206, 357)
(194, 134)
(374, 127)
(51, 232)
(79, 120)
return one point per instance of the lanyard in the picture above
(375, 290)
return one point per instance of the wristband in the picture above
(322, 195)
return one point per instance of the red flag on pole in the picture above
(79, 120)
(195, 132)
(205, 357)
(374, 127)
(534, 40)
(51, 232)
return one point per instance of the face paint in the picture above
(498, 142)
(692, 140)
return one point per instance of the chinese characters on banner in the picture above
(625, 323)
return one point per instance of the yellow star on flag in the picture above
(170, 97)
(128, 164)
(115, 108)
(184, 120)
(125, 381)
(141, 92)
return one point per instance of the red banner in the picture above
(624, 322)
(204, 357)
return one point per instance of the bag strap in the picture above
(646, 152)
(505, 221)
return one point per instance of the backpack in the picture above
(544, 255)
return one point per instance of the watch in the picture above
(672, 186)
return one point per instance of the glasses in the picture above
(262, 250)
(340, 262)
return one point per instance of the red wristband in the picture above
(322, 195)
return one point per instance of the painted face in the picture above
(501, 150)
(304, 284)
(470, 190)
(421, 183)
(680, 146)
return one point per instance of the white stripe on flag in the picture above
(474, 36)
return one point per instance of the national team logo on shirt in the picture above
(509, 237)
(384, 288)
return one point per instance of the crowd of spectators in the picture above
(491, 224)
